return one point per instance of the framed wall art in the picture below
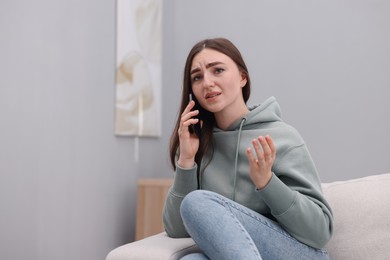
(138, 68)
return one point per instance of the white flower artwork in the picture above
(138, 68)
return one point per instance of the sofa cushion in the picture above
(361, 210)
(159, 246)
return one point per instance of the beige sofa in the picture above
(361, 209)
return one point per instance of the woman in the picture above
(245, 185)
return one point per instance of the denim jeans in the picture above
(224, 229)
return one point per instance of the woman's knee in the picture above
(191, 202)
(196, 202)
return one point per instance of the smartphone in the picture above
(194, 128)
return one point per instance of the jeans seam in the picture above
(248, 237)
(284, 233)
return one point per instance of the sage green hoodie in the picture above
(293, 197)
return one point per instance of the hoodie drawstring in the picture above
(236, 159)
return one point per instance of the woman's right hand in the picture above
(189, 143)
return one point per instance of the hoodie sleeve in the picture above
(185, 181)
(295, 198)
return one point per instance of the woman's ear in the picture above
(244, 79)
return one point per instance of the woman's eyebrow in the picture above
(211, 64)
(195, 70)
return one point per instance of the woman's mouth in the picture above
(212, 95)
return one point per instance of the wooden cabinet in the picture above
(151, 194)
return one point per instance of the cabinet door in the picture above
(151, 194)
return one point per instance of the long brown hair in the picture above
(205, 143)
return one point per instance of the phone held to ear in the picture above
(196, 127)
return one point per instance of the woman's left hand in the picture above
(260, 164)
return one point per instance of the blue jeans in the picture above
(224, 229)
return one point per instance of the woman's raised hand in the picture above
(260, 163)
(189, 143)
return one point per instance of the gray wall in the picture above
(68, 185)
(326, 62)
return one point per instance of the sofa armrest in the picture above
(157, 247)
(361, 217)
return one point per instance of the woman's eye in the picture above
(219, 70)
(195, 78)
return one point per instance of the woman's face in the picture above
(216, 81)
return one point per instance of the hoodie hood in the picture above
(266, 112)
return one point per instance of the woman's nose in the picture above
(208, 80)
